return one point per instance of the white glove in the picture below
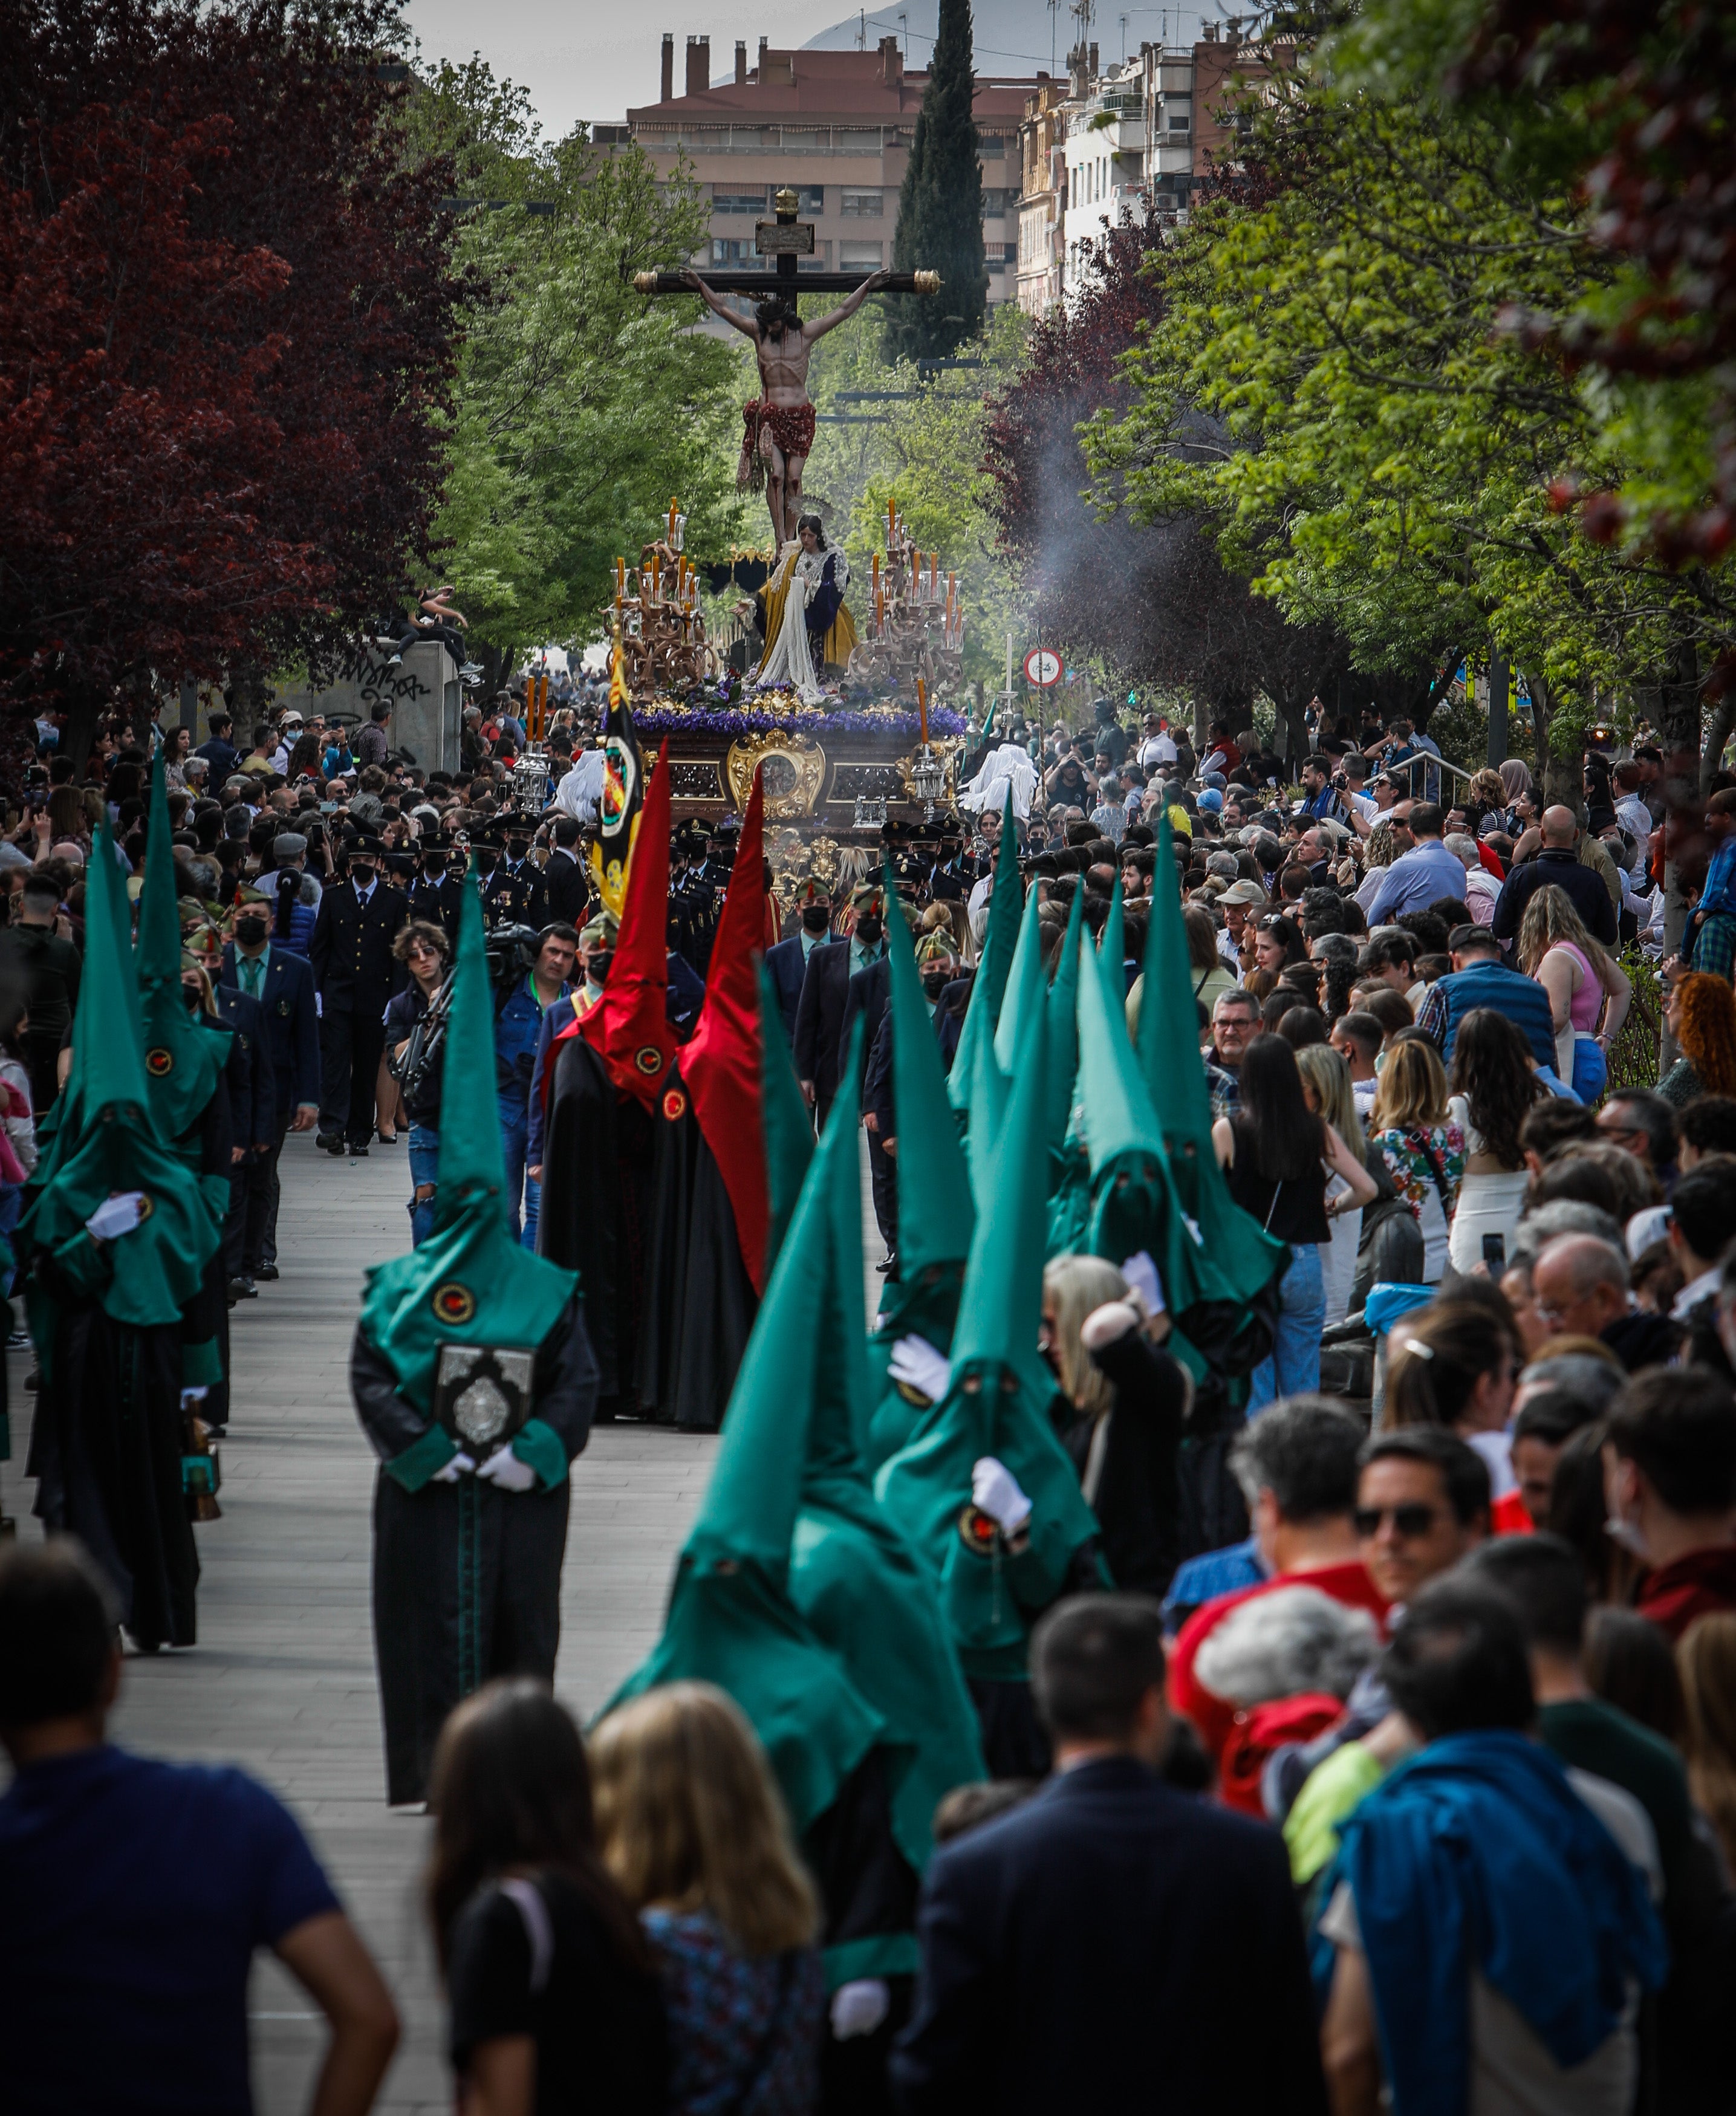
(1141, 1274)
(460, 1466)
(190, 1396)
(1109, 1324)
(996, 1490)
(504, 1468)
(916, 1363)
(118, 1215)
(858, 2008)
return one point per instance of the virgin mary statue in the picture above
(806, 624)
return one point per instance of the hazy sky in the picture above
(587, 60)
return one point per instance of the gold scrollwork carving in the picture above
(947, 751)
(795, 771)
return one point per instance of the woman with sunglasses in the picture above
(1277, 1152)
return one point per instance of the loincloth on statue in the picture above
(790, 425)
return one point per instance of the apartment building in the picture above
(1100, 148)
(836, 127)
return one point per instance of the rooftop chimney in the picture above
(668, 92)
(1095, 75)
(764, 46)
(698, 65)
(741, 62)
(891, 61)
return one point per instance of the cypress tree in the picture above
(940, 206)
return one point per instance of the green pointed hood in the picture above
(935, 1213)
(1118, 1116)
(1024, 984)
(1062, 1054)
(1223, 1257)
(784, 1119)
(109, 1140)
(857, 1580)
(1169, 1038)
(182, 1060)
(730, 1619)
(1000, 936)
(1111, 944)
(470, 1283)
(989, 1089)
(996, 1404)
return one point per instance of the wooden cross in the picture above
(785, 240)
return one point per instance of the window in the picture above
(862, 205)
(1181, 121)
(809, 198)
(753, 202)
(991, 144)
(859, 256)
(733, 250)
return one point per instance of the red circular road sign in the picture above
(1043, 668)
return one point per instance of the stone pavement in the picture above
(282, 1681)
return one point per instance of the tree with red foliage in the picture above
(1154, 601)
(226, 339)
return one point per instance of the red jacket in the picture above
(1214, 1717)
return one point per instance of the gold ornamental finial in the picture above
(928, 283)
(645, 282)
(787, 200)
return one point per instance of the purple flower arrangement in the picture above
(723, 709)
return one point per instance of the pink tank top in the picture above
(1588, 1000)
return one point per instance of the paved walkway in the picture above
(282, 1679)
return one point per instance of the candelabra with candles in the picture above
(655, 608)
(916, 625)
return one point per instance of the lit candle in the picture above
(921, 706)
(877, 576)
(880, 609)
(934, 577)
(891, 522)
(674, 508)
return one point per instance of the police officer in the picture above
(355, 975)
(513, 894)
(439, 888)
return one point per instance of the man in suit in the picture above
(355, 975)
(513, 892)
(1114, 1942)
(787, 961)
(283, 986)
(562, 877)
(819, 1022)
(439, 889)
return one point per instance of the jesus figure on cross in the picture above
(779, 423)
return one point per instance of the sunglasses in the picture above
(1409, 1521)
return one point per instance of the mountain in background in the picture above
(1015, 36)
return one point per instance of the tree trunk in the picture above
(79, 731)
(1539, 690)
(1292, 711)
(1500, 692)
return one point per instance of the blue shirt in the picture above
(1717, 899)
(1417, 880)
(1213, 1572)
(135, 1892)
(518, 1035)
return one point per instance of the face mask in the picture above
(816, 919)
(434, 868)
(1625, 1535)
(360, 875)
(597, 968)
(867, 931)
(191, 998)
(251, 931)
(935, 982)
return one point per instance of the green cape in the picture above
(996, 1404)
(109, 1140)
(730, 1619)
(183, 1061)
(1062, 1016)
(470, 1283)
(1024, 984)
(989, 987)
(852, 1575)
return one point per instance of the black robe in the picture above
(466, 1577)
(699, 1302)
(598, 1198)
(106, 1451)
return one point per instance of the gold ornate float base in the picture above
(812, 784)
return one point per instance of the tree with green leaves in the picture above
(582, 407)
(940, 206)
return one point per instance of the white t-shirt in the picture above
(1158, 749)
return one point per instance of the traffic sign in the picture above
(1043, 668)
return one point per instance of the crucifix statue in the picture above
(779, 424)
